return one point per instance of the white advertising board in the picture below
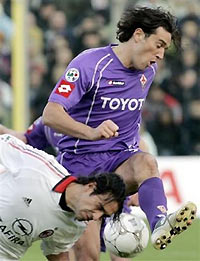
(181, 178)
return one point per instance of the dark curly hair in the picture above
(148, 19)
(106, 182)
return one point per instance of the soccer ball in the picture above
(126, 236)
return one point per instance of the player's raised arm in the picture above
(56, 117)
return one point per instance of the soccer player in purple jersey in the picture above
(97, 104)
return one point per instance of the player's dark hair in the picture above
(148, 19)
(107, 183)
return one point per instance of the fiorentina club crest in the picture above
(143, 81)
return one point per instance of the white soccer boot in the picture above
(173, 224)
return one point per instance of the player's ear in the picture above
(138, 35)
(91, 186)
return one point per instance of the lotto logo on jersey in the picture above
(65, 88)
(118, 83)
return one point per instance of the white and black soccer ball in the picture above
(127, 236)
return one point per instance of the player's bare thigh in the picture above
(88, 246)
(136, 169)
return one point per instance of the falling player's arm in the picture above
(57, 118)
(17, 134)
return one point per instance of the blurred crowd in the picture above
(58, 30)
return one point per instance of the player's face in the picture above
(149, 49)
(94, 207)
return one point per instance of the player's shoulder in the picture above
(92, 55)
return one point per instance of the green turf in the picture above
(185, 248)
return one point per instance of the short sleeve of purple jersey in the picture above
(74, 83)
(35, 135)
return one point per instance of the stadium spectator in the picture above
(63, 201)
(5, 62)
(63, 56)
(6, 100)
(162, 113)
(58, 26)
(6, 25)
(35, 36)
(189, 59)
(91, 39)
(44, 12)
(97, 104)
(192, 123)
(88, 27)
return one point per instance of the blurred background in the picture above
(38, 38)
(51, 33)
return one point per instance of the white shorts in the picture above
(4, 258)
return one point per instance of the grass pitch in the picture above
(185, 247)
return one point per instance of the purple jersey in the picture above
(96, 87)
(40, 136)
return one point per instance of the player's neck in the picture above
(71, 195)
(123, 55)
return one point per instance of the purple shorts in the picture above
(90, 163)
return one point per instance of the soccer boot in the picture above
(172, 225)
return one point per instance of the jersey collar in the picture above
(62, 184)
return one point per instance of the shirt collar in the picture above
(62, 184)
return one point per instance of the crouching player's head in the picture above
(97, 196)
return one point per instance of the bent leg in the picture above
(88, 246)
(140, 173)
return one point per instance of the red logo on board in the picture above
(65, 88)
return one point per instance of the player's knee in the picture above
(147, 167)
(150, 163)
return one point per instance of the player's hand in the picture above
(106, 130)
(2, 129)
(133, 200)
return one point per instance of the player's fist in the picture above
(106, 130)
